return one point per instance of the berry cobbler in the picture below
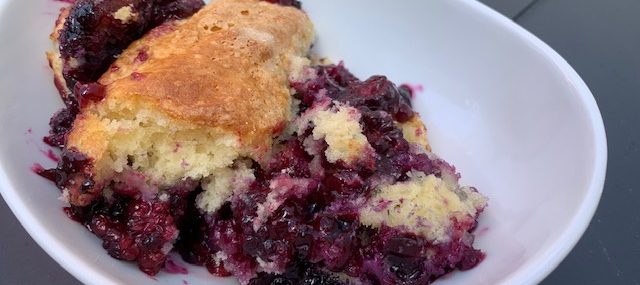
(208, 130)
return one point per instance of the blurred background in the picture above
(601, 40)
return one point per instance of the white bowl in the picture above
(501, 105)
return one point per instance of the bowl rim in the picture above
(550, 258)
(532, 271)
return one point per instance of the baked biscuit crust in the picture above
(227, 66)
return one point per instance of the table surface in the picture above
(601, 40)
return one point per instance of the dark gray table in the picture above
(601, 40)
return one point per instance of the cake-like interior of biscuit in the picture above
(216, 136)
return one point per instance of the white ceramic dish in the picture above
(502, 106)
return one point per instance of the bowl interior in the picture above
(507, 111)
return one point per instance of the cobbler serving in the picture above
(209, 131)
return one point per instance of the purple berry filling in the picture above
(317, 226)
(314, 230)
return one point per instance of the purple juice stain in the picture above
(172, 266)
(37, 168)
(137, 76)
(141, 57)
(51, 155)
(482, 231)
(414, 89)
